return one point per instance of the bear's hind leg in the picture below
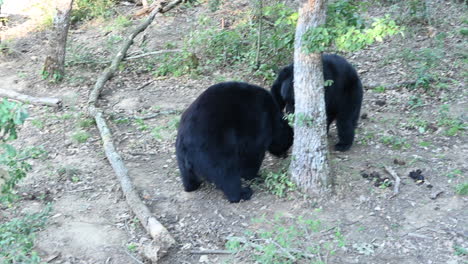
(345, 129)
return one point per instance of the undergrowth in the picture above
(288, 240)
(17, 238)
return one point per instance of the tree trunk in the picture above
(309, 166)
(54, 66)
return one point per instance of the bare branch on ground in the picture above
(50, 101)
(162, 239)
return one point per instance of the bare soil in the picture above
(91, 222)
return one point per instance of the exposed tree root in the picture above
(55, 102)
(162, 240)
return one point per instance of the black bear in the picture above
(223, 136)
(343, 98)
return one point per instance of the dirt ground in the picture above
(91, 222)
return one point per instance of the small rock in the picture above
(204, 259)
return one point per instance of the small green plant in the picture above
(279, 183)
(142, 126)
(131, 247)
(81, 136)
(424, 144)
(17, 238)
(86, 123)
(170, 128)
(460, 251)
(415, 102)
(53, 77)
(453, 125)
(39, 124)
(366, 137)
(454, 173)
(395, 142)
(415, 122)
(328, 83)
(286, 240)
(379, 89)
(462, 189)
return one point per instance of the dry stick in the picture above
(397, 180)
(55, 102)
(158, 232)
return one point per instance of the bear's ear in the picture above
(277, 88)
(276, 93)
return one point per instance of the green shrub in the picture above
(17, 238)
(89, 9)
(210, 47)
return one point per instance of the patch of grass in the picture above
(462, 189)
(366, 137)
(209, 48)
(89, 9)
(279, 183)
(119, 23)
(81, 136)
(122, 121)
(80, 54)
(379, 89)
(415, 102)
(141, 125)
(395, 142)
(423, 63)
(453, 125)
(17, 238)
(131, 247)
(425, 143)
(170, 128)
(39, 124)
(287, 240)
(415, 122)
(460, 251)
(86, 123)
(454, 173)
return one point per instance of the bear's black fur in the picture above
(223, 136)
(343, 98)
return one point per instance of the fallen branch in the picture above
(55, 102)
(397, 180)
(162, 240)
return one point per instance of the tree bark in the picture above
(54, 65)
(309, 166)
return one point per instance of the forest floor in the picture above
(402, 128)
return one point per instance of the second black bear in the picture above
(223, 136)
(343, 98)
